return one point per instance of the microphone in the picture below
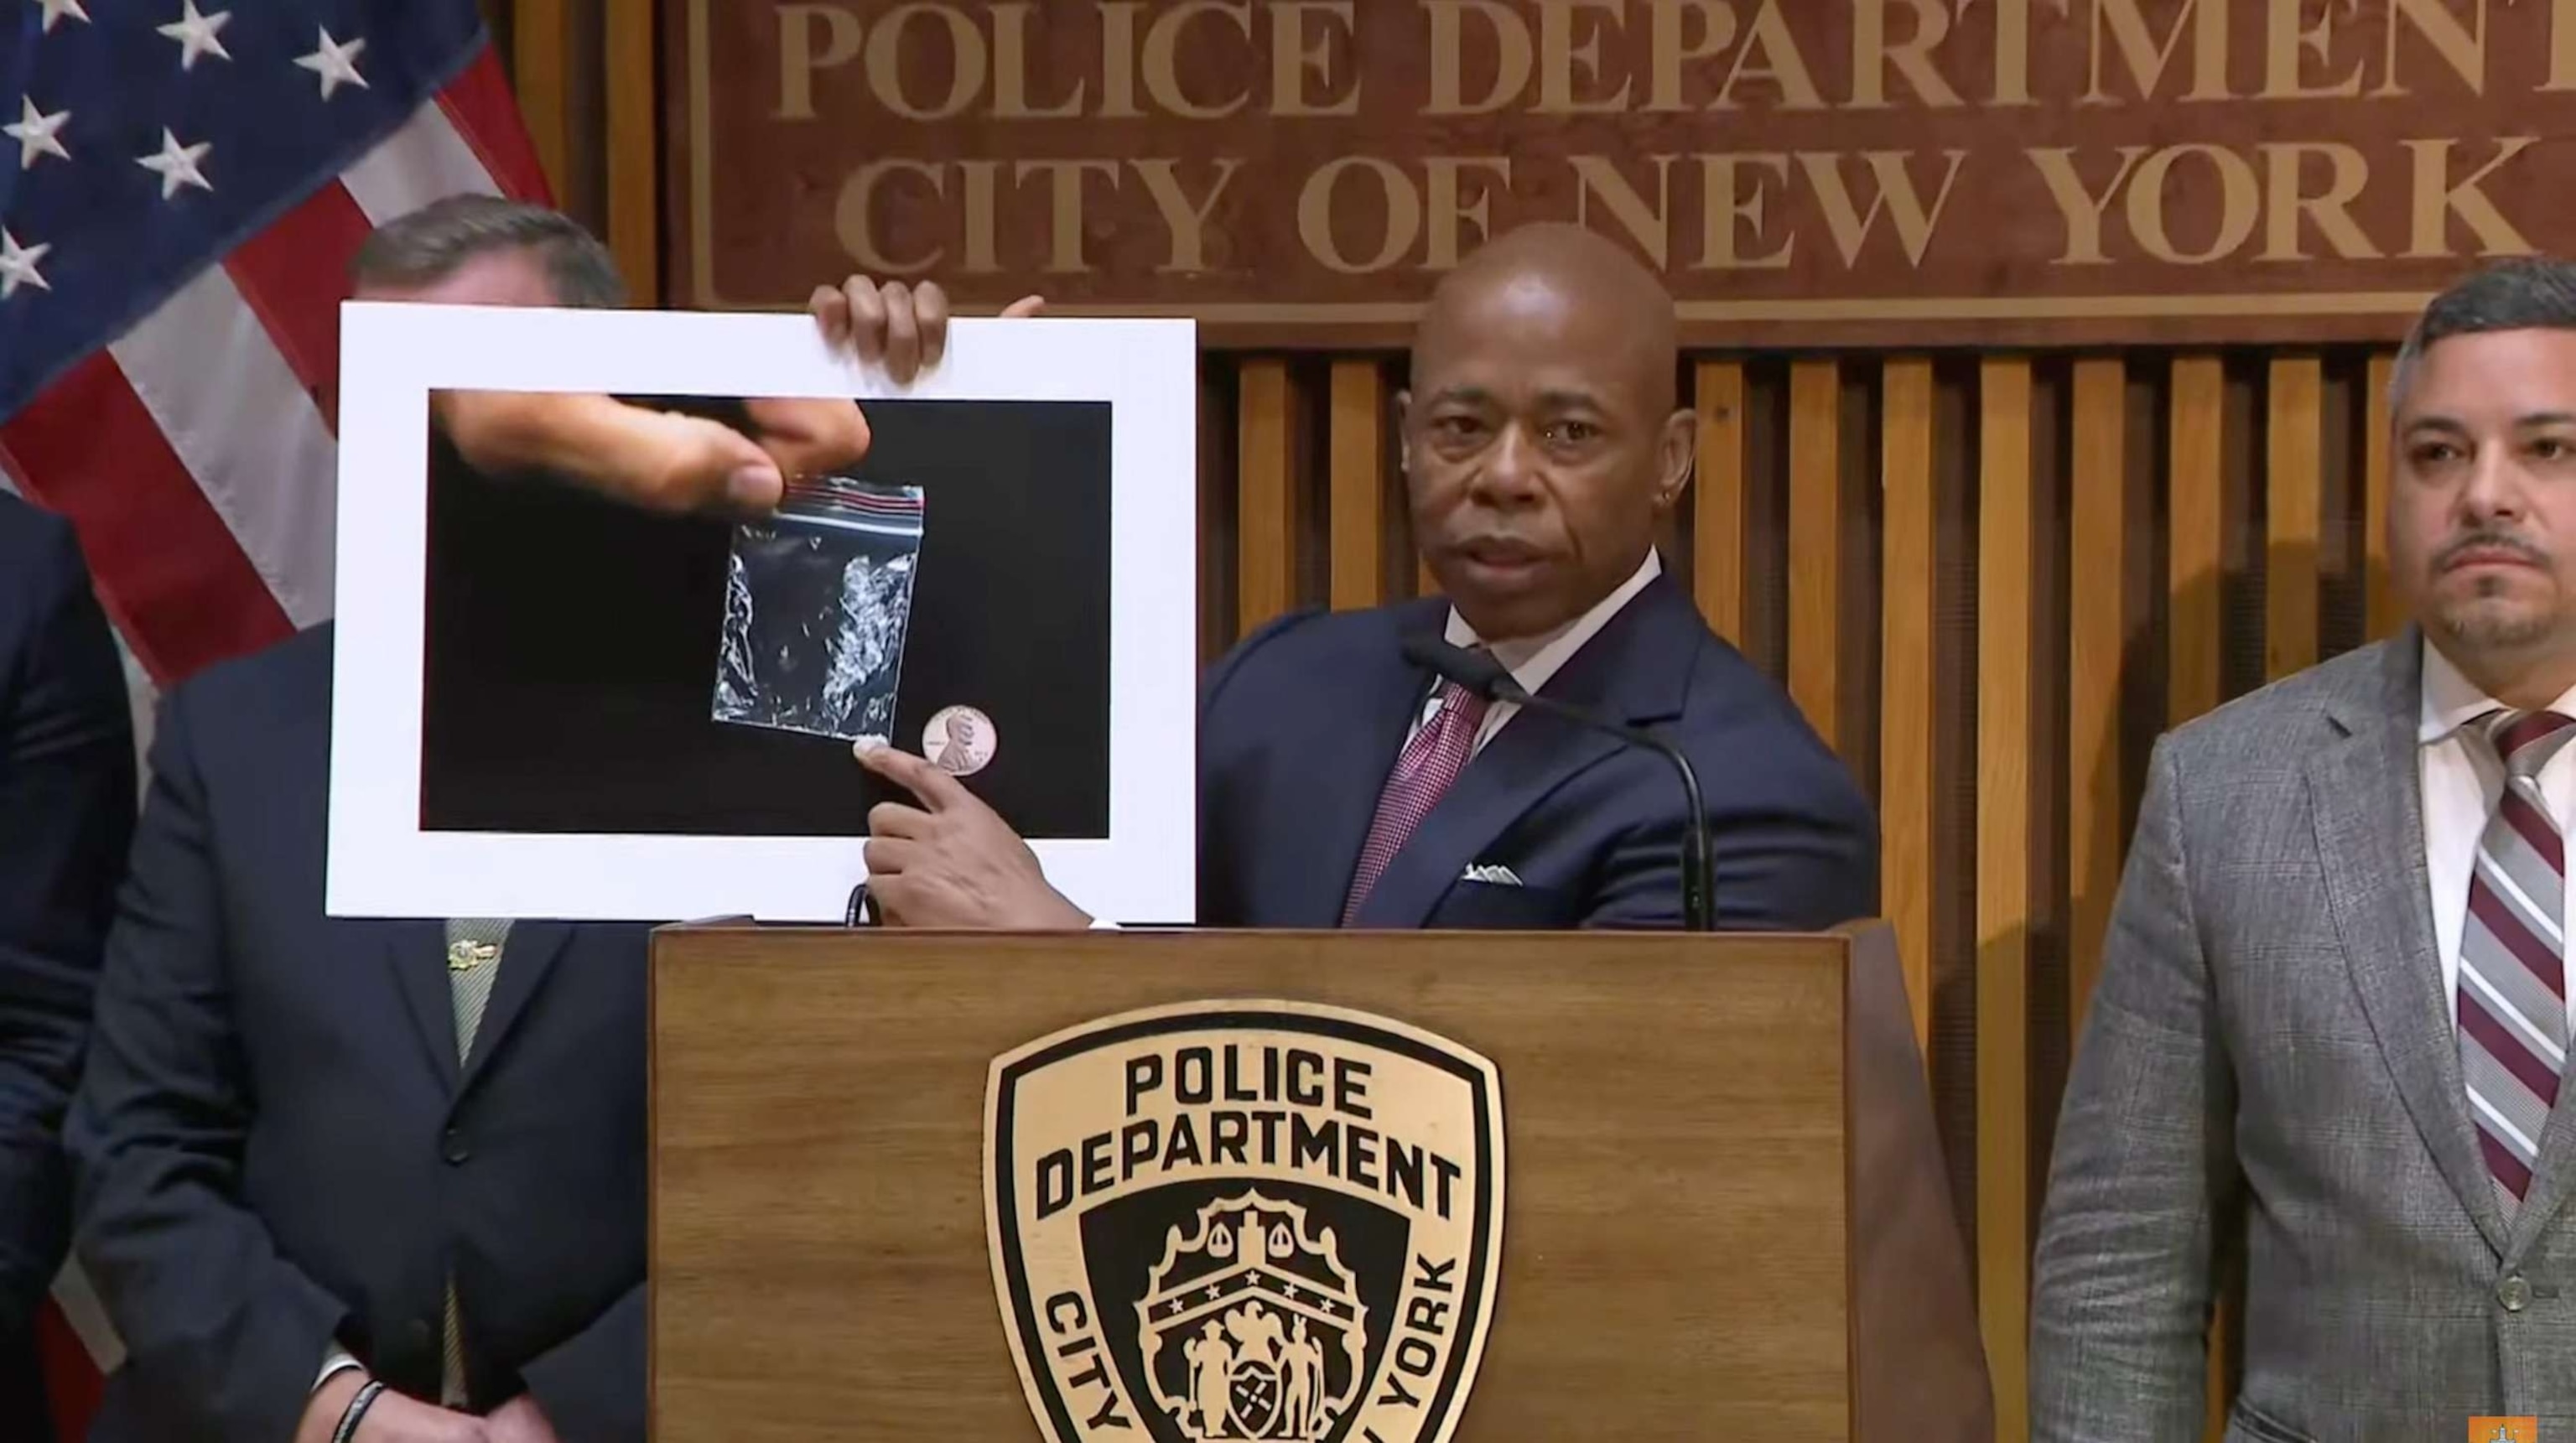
(1480, 673)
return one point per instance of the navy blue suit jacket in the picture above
(275, 1143)
(1301, 723)
(66, 814)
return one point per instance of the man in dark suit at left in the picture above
(67, 797)
(385, 1179)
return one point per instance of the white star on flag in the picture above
(36, 133)
(196, 33)
(336, 63)
(57, 9)
(18, 266)
(177, 164)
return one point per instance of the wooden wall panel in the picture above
(2005, 741)
(1718, 516)
(542, 57)
(2385, 606)
(2295, 436)
(1816, 545)
(2195, 506)
(1269, 465)
(1360, 522)
(1907, 691)
(634, 160)
(2098, 640)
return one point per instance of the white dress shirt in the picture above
(1533, 659)
(2462, 781)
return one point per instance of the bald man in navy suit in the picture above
(1341, 784)
(67, 803)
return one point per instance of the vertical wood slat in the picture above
(540, 60)
(1718, 517)
(2386, 608)
(2196, 515)
(1816, 545)
(1359, 518)
(2195, 512)
(2294, 434)
(1266, 466)
(1907, 659)
(2005, 736)
(634, 165)
(2097, 644)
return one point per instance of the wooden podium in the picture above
(1722, 1208)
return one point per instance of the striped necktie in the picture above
(2512, 1002)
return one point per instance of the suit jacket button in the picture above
(417, 1333)
(2515, 1294)
(455, 1150)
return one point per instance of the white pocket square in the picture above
(1493, 876)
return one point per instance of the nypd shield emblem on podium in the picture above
(1245, 1220)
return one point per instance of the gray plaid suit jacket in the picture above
(2269, 1072)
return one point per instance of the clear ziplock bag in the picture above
(817, 604)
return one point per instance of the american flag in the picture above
(182, 184)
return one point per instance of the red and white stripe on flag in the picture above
(193, 456)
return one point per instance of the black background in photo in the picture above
(570, 652)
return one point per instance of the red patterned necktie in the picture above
(1430, 761)
(2512, 1005)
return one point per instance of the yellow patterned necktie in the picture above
(473, 959)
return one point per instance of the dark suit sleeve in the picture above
(227, 1333)
(1220, 854)
(1792, 841)
(591, 1386)
(66, 816)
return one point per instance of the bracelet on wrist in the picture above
(356, 1412)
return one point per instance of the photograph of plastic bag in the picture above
(818, 601)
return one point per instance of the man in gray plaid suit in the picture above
(2333, 1014)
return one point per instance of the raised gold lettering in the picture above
(2081, 208)
(2012, 50)
(1064, 251)
(1596, 177)
(854, 216)
(2438, 199)
(2206, 20)
(1559, 56)
(1445, 208)
(982, 216)
(2288, 47)
(1184, 218)
(1514, 56)
(2562, 46)
(1896, 195)
(1118, 59)
(1295, 58)
(1671, 52)
(1732, 202)
(2462, 47)
(799, 57)
(1872, 55)
(1401, 203)
(966, 55)
(1011, 69)
(1161, 62)
(2241, 203)
(1782, 64)
(2289, 204)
